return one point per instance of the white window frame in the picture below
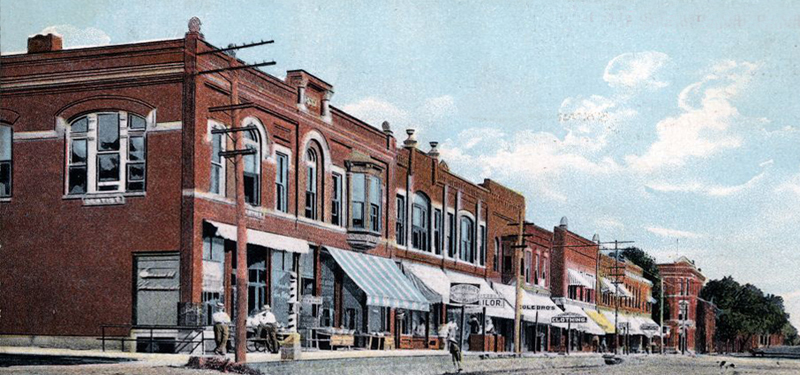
(91, 136)
(223, 177)
(10, 161)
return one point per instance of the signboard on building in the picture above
(492, 300)
(539, 307)
(649, 327)
(464, 294)
(568, 318)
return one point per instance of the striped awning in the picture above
(578, 278)
(380, 279)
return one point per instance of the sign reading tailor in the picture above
(492, 300)
(568, 318)
(465, 294)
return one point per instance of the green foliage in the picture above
(649, 266)
(744, 310)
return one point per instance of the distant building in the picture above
(688, 316)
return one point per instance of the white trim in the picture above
(326, 150)
(36, 135)
(402, 192)
(321, 224)
(263, 134)
(39, 80)
(166, 126)
(223, 177)
(207, 196)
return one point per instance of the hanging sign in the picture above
(539, 307)
(492, 300)
(568, 318)
(465, 294)
(649, 327)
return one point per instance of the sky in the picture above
(672, 124)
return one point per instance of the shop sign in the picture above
(539, 307)
(568, 318)
(492, 300)
(465, 294)
(649, 327)
(311, 300)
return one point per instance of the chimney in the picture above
(411, 141)
(44, 43)
(434, 152)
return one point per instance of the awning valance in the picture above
(647, 322)
(623, 321)
(261, 238)
(435, 285)
(609, 287)
(380, 279)
(589, 327)
(531, 303)
(601, 320)
(579, 279)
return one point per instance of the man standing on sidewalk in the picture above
(221, 329)
(452, 344)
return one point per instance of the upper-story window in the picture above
(420, 217)
(536, 274)
(451, 235)
(6, 138)
(311, 184)
(400, 221)
(365, 201)
(217, 183)
(437, 231)
(252, 169)
(482, 245)
(466, 249)
(495, 261)
(336, 202)
(544, 272)
(528, 261)
(282, 183)
(106, 153)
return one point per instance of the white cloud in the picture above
(608, 224)
(703, 129)
(671, 233)
(74, 37)
(375, 111)
(706, 189)
(636, 70)
(439, 107)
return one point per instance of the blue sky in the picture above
(673, 126)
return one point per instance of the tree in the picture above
(649, 267)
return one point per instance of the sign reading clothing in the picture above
(465, 294)
(568, 318)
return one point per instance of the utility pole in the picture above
(518, 257)
(661, 316)
(237, 155)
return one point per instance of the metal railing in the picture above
(151, 339)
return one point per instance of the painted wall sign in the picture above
(465, 294)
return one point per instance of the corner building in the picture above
(116, 208)
(689, 327)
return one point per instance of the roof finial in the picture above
(194, 25)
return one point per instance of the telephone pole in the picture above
(518, 258)
(237, 156)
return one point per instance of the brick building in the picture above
(117, 208)
(682, 284)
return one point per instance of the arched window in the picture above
(106, 153)
(6, 139)
(420, 222)
(466, 250)
(496, 254)
(311, 183)
(252, 169)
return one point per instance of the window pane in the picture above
(108, 132)
(108, 167)
(5, 143)
(5, 179)
(78, 152)
(251, 188)
(77, 180)
(136, 149)
(375, 190)
(136, 122)
(136, 186)
(135, 171)
(251, 163)
(216, 147)
(358, 215)
(108, 187)
(80, 126)
(358, 187)
(216, 170)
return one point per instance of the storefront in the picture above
(582, 336)
(537, 310)
(606, 326)
(363, 295)
(492, 327)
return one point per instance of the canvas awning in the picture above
(380, 279)
(646, 321)
(589, 327)
(261, 238)
(431, 281)
(609, 287)
(531, 303)
(624, 320)
(579, 279)
(600, 320)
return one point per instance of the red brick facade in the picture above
(682, 285)
(68, 259)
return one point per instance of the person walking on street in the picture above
(452, 343)
(221, 329)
